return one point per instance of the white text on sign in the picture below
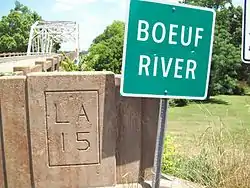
(176, 33)
(143, 27)
(145, 62)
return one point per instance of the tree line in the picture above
(15, 29)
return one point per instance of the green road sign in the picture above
(167, 50)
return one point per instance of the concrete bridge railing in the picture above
(16, 54)
(12, 54)
(49, 65)
(22, 65)
(73, 129)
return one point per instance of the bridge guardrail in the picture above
(15, 54)
(39, 62)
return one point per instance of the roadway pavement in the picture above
(7, 64)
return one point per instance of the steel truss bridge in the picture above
(45, 34)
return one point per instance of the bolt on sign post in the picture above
(245, 50)
(167, 54)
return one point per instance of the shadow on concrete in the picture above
(145, 185)
(109, 119)
(150, 112)
(128, 141)
(137, 120)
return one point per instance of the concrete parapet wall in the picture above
(73, 129)
(49, 65)
(27, 64)
(22, 57)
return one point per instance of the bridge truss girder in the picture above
(44, 34)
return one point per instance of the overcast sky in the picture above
(92, 15)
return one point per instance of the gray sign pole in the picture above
(162, 124)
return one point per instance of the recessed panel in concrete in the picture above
(72, 126)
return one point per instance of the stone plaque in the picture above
(72, 127)
(72, 122)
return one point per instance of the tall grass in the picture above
(68, 65)
(222, 161)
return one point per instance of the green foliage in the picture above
(15, 28)
(169, 164)
(7, 73)
(83, 63)
(216, 4)
(178, 102)
(221, 162)
(226, 62)
(69, 65)
(106, 51)
(197, 169)
(227, 68)
(56, 47)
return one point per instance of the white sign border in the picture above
(125, 49)
(243, 58)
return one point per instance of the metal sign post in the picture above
(162, 125)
